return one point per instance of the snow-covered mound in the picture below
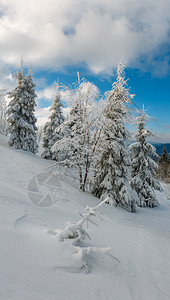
(34, 264)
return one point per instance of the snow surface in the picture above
(35, 265)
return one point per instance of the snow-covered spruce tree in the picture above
(31, 119)
(143, 166)
(111, 175)
(21, 117)
(3, 111)
(79, 132)
(50, 134)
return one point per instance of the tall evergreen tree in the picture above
(32, 134)
(168, 169)
(3, 111)
(164, 157)
(162, 170)
(51, 135)
(113, 158)
(143, 165)
(21, 117)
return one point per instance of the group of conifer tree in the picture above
(92, 140)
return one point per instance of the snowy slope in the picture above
(35, 265)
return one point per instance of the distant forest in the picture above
(160, 147)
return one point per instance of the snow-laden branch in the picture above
(77, 232)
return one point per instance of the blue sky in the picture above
(60, 38)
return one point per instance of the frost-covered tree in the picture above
(32, 134)
(143, 165)
(21, 116)
(79, 132)
(3, 111)
(50, 133)
(112, 156)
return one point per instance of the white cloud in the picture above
(48, 93)
(42, 115)
(160, 138)
(54, 34)
(6, 79)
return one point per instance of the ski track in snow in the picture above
(20, 219)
